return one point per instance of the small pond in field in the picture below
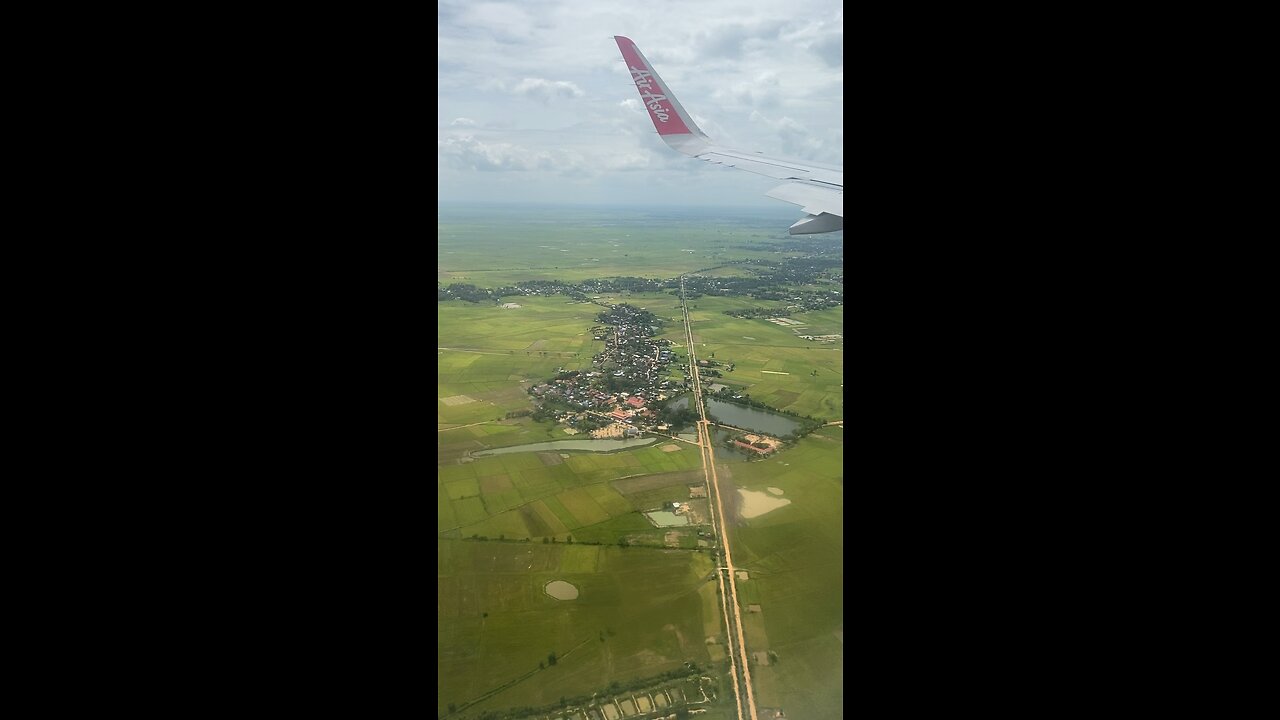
(666, 518)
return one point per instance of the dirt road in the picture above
(728, 601)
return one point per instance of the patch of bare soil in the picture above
(670, 447)
(561, 590)
(756, 503)
(672, 539)
(698, 512)
(762, 658)
(550, 458)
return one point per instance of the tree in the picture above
(551, 659)
(569, 539)
(453, 708)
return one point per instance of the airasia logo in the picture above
(641, 78)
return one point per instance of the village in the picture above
(632, 374)
(627, 391)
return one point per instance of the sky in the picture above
(537, 106)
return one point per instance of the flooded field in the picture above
(756, 503)
(666, 518)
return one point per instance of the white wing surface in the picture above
(818, 189)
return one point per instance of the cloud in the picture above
(730, 41)
(506, 23)
(823, 37)
(536, 103)
(798, 141)
(547, 90)
(464, 152)
(761, 91)
(831, 50)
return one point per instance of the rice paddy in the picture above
(544, 550)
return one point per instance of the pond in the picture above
(770, 423)
(666, 518)
(591, 445)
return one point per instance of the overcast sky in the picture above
(536, 104)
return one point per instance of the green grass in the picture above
(463, 489)
(644, 601)
(795, 558)
(772, 364)
(586, 510)
(610, 531)
(649, 499)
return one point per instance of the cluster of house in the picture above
(635, 361)
(642, 360)
(762, 444)
(579, 390)
(626, 414)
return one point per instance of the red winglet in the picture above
(653, 93)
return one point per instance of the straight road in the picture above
(728, 600)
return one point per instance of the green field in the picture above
(645, 603)
(795, 558)
(509, 524)
(486, 351)
(537, 495)
(490, 249)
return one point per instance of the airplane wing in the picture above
(818, 189)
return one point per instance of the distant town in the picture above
(628, 391)
(771, 280)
